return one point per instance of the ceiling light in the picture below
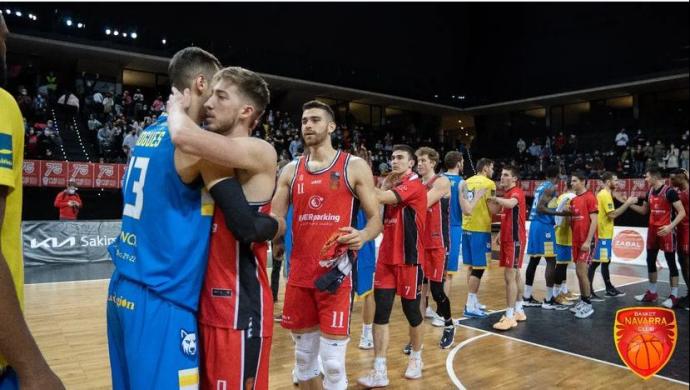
(116, 33)
(68, 22)
(163, 41)
(107, 31)
(18, 13)
(134, 35)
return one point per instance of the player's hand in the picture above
(632, 200)
(391, 180)
(664, 231)
(586, 247)
(278, 249)
(41, 380)
(353, 238)
(177, 106)
(566, 213)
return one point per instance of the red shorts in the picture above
(666, 243)
(683, 239)
(434, 264)
(512, 254)
(232, 359)
(405, 279)
(582, 257)
(306, 307)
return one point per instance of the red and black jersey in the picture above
(236, 292)
(322, 202)
(660, 202)
(403, 224)
(683, 196)
(582, 207)
(513, 220)
(437, 223)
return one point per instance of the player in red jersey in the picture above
(236, 307)
(325, 187)
(399, 265)
(512, 249)
(583, 223)
(679, 179)
(661, 203)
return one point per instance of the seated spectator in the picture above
(128, 143)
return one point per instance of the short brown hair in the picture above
(249, 84)
(320, 105)
(606, 176)
(405, 148)
(483, 162)
(188, 63)
(429, 152)
(452, 159)
(513, 171)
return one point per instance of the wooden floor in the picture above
(68, 321)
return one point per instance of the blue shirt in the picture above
(534, 215)
(455, 210)
(165, 223)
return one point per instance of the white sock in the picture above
(380, 364)
(652, 288)
(564, 288)
(528, 292)
(549, 293)
(366, 330)
(510, 312)
(556, 290)
(471, 300)
(518, 306)
(674, 291)
(416, 354)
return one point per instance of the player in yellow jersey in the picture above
(563, 249)
(476, 227)
(602, 252)
(20, 359)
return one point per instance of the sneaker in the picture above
(438, 322)
(614, 292)
(562, 300)
(671, 302)
(414, 368)
(531, 302)
(505, 323)
(571, 296)
(474, 313)
(595, 298)
(648, 296)
(552, 305)
(577, 306)
(407, 349)
(520, 316)
(295, 381)
(481, 306)
(585, 311)
(366, 342)
(374, 379)
(448, 337)
(430, 313)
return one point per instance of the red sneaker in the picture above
(647, 297)
(671, 302)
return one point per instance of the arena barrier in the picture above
(68, 242)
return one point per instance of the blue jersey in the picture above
(166, 223)
(537, 216)
(455, 212)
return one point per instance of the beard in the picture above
(315, 139)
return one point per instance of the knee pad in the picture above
(412, 312)
(651, 261)
(672, 266)
(437, 292)
(306, 355)
(384, 305)
(333, 357)
(477, 273)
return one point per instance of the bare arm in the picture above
(544, 201)
(466, 205)
(619, 211)
(386, 196)
(440, 189)
(363, 185)
(506, 203)
(643, 209)
(592, 227)
(281, 199)
(680, 214)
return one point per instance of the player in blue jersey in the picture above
(364, 284)
(541, 241)
(453, 162)
(160, 254)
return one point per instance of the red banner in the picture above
(54, 173)
(82, 173)
(31, 173)
(107, 176)
(121, 173)
(38, 173)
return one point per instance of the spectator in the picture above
(126, 103)
(98, 102)
(640, 138)
(138, 100)
(68, 202)
(40, 105)
(108, 103)
(295, 145)
(32, 144)
(521, 145)
(672, 157)
(129, 142)
(158, 105)
(70, 100)
(640, 157)
(93, 124)
(659, 153)
(534, 150)
(105, 137)
(51, 85)
(685, 137)
(685, 157)
(621, 141)
(24, 102)
(648, 150)
(572, 144)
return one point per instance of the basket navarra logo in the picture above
(645, 338)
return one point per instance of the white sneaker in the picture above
(366, 342)
(374, 379)
(481, 306)
(295, 381)
(438, 322)
(414, 368)
(430, 313)
(585, 311)
(577, 306)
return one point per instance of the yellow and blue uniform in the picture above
(602, 252)
(366, 261)
(160, 259)
(541, 228)
(11, 161)
(476, 235)
(564, 234)
(455, 217)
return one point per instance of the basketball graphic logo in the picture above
(645, 338)
(628, 245)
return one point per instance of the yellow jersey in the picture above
(564, 234)
(11, 161)
(604, 223)
(480, 219)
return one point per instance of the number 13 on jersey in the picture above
(134, 191)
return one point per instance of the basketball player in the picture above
(20, 359)
(325, 188)
(476, 225)
(512, 238)
(666, 211)
(399, 265)
(364, 285)
(583, 222)
(541, 240)
(602, 252)
(679, 179)
(161, 253)
(563, 249)
(436, 238)
(454, 166)
(236, 305)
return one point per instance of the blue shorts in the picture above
(9, 380)
(476, 249)
(153, 343)
(453, 263)
(564, 254)
(602, 252)
(541, 240)
(366, 265)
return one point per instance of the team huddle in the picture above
(190, 303)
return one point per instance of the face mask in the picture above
(71, 191)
